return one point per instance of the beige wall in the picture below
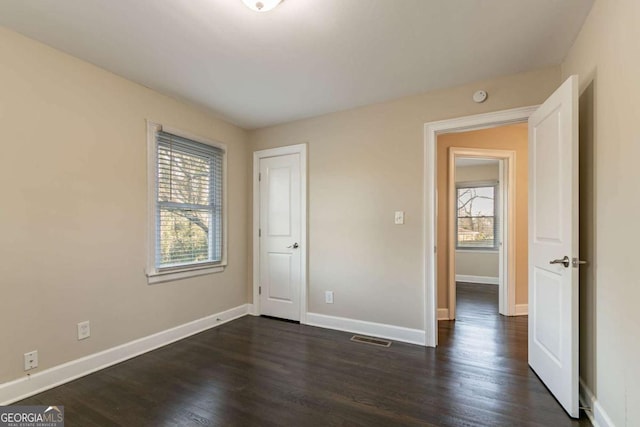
(489, 172)
(513, 137)
(475, 262)
(366, 163)
(607, 58)
(73, 219)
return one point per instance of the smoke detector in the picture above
(261, 5)
(480, 96)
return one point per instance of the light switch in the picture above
(399, 220)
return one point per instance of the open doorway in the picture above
(477, 220)
(435, 218)
(552, 235)
(482, 203)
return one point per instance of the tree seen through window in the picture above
(476, 219)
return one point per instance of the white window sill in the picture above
(167, 276)
(476, 251)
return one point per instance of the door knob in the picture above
(294, 246)
(564, 261)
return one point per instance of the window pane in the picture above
(184, 236)
(188, 202)
(476, 232)
(476, 217)
(183, 177)
(476, 201)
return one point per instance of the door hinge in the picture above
(259, 176)
(259, 290)
(259, 232)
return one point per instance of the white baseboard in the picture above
(587, 399)
(381, 330)
(601, 419)
(522, 310)
(596, 413)
(477, 279)
(443, 314)
(28, 386)
(252, 310)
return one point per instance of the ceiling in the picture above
(306, 57)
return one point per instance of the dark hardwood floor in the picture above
(264, 372)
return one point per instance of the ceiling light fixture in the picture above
(261, 5)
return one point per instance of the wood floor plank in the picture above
(264, 372)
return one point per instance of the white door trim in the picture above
(431, 131)
(300, 149)
(506, 213)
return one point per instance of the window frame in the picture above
(496, 216)
(153, 273)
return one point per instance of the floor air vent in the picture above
(372, 341)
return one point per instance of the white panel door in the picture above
(280, 232)
(553, 244)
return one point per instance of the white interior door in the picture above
(553, 244)
(280, 236)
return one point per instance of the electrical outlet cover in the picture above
(328, 297)
(31, 360)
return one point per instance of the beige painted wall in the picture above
(73, 219)
(366, 163)
(476, 262)
(607, 58)
(489, 172)
(74, 163)
(513, 137)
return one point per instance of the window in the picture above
(476, 219)
(187, 232)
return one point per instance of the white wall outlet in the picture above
(84, 330)
(31, 360)
(399, 218)
(328, 297)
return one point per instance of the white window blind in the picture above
(188, 202)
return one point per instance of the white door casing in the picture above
(431, 132)
(506, 213)
(553, 235)
(279, 222)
